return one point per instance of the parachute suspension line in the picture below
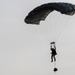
(36, 28)
(30, 28)
(39, 29)
(43, 28)
(57, 23)
(63, 25)
(52, 27)
(46, 28)
(54, 24)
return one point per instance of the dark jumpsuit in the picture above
(53, 54)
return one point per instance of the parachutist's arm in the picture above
(51, 46)
(51, 49)
(54, 46)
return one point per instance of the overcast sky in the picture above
(24, 49)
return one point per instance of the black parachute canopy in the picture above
(41, 12)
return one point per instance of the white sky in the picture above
(25, 50)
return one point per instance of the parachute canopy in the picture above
(41, 12)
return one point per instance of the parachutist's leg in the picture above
(54, 58)
(51, 58)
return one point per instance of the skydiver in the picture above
(53, 51)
